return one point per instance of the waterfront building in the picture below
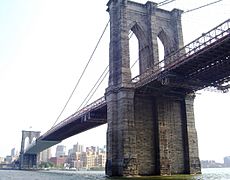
(78, 164)
(73, 158)
(58, 161)
(2, 159)
(8, 159)
(88, 159)
(227, 161)
(100, 160)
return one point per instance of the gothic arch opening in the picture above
(161, 53)
(134, 55)
(139, 50)
(165, 42)
(27, 143)
(164, 47)
(33, 140)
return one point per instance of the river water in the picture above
(207, 174)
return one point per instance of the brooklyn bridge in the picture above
(150, 118)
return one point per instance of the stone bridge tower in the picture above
(148, 134)
(28, 161)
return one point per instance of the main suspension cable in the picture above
(202, 6)
(165, 2)
(83, 72)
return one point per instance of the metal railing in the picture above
(96, 104)
(175, 58)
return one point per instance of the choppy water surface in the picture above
(209, 174)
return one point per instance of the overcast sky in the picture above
(44, 46)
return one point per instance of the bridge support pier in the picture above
(149, 135)
(150, 130)
(28, 161)
(121, 134)
(177, 137)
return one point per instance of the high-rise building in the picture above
(2, 159)
(45, 155)
(13, 152)
(60, 151)
(77, 148)
(227, 161)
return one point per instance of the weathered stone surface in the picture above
(28, 161)
(147, 134)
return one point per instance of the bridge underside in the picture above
(41, 146)
(77, 125)
(73, 125)
(208, 67)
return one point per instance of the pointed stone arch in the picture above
(31, 136)
(134, 142)
(167, 41)
(143, 45)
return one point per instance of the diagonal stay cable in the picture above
(105, 72)
(83, 72)
(96, 88)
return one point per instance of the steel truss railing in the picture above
(175, 58)
(96, 104)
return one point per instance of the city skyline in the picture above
(44, 47)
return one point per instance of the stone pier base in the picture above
(28, 161)
(156, 136)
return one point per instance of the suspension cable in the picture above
(97, 87)
(83, 72)
(165, 2)
(104, 72)
(202, 6)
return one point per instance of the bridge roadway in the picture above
(205, 62)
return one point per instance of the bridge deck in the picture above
(202, 63)
(89, 117)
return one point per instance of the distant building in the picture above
(13, 152)
(101, 159)
(8, 159)
(58, 161)
(210, 164)
(74, 156)
(227, 161)
(88, 159)
(45, 155)
(60, 151)
(2, 159)
(74, 160)
(78, 148)
(78, 164)
(93, 157)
